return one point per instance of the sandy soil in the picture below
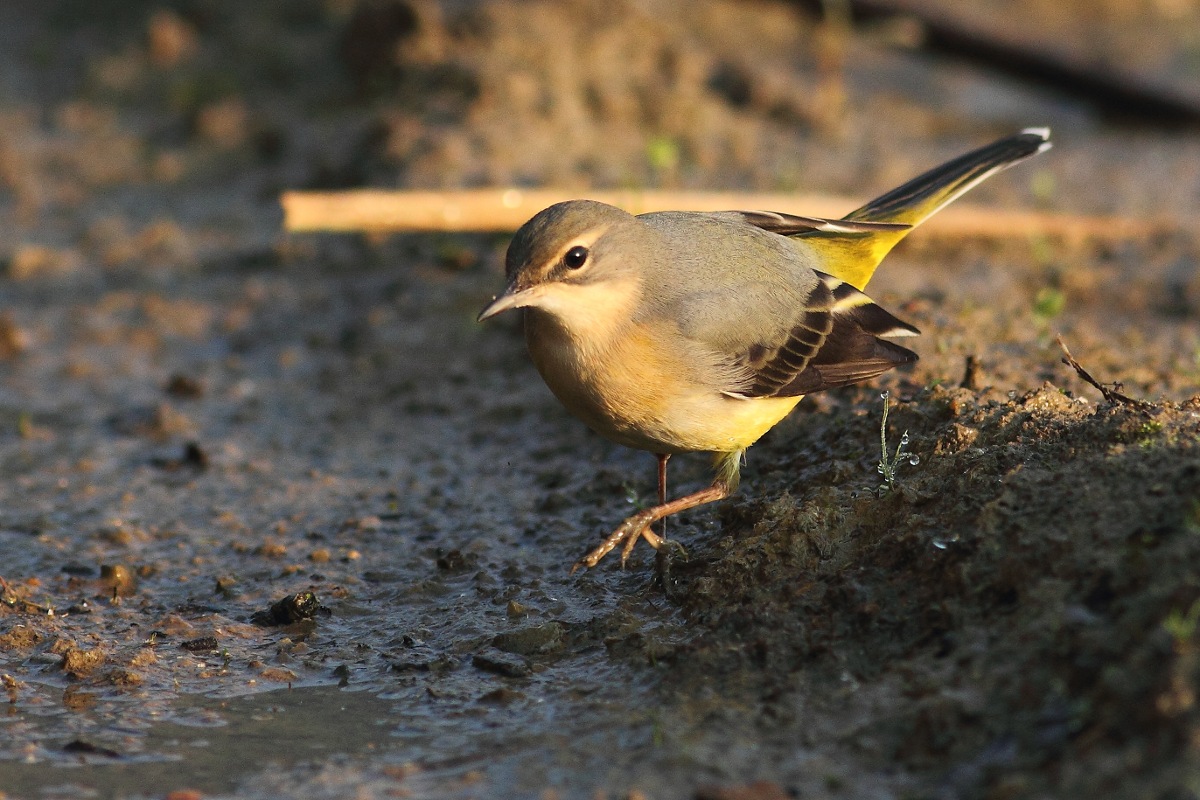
(201, 417)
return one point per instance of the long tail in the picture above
(919, 199)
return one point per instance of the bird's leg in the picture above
(662, 556)
(638, 526)
(663, 458)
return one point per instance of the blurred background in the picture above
(147, 137)
(123, 108)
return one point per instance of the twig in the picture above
(506, 209)
(9, 597)
(1111, 395)
(970, 378)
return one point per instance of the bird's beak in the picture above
(510, 298)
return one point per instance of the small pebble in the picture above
(507, 664)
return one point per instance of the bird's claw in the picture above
(628, 532)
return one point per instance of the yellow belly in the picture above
(632, 392)
(739, 423)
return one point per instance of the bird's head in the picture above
(578, 261)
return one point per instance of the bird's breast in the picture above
(643, 389)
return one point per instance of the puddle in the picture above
(214, 745)
(504, 742)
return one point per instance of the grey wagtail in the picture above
(682, 331)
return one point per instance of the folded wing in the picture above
(836, 341)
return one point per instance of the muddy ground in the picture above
(201, 416)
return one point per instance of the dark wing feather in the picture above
(835, 343)
(791, 225)
(775, 367)
(864, 359)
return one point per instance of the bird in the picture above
(682, 331)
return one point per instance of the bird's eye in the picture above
(576, 257)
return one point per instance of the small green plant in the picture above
(1148, 432)
(658, 735)
(1048, 303)
(1044, 186)
(889, 463)
(1182, 625)
(1043, 250)
(663, 154)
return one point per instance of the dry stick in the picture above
(505, 210)
(9, 597)
(970, 378)
(1113, 396)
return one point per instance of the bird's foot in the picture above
(638, 526)
(627, 533)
